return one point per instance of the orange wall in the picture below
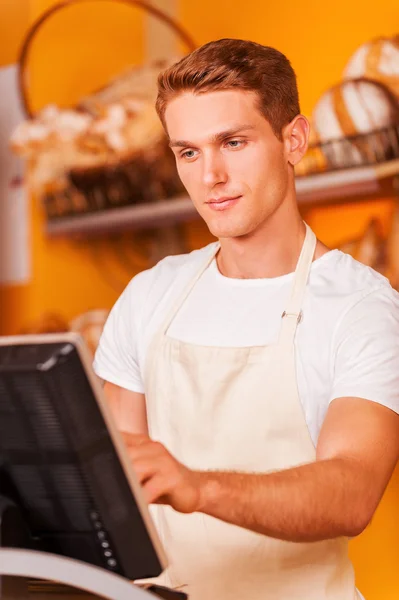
(69, 277)
(13, 23)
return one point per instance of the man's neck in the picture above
(271, 251)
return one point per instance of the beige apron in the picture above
(238, 409)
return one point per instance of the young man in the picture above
(257, 379)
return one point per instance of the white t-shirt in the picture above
(347, 343)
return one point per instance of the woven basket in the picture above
(359, 150)
(134, 176)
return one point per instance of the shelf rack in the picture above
(334, 186)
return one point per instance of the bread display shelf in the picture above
(360, 182)
(336, 186)
(138, 216)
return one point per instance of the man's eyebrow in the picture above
(217, 137)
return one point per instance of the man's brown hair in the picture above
(228, 64)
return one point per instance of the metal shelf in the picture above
(334, 186)
(366, 182)
(138, 216)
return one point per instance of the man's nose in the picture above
(214, 170)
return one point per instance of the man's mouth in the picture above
(223, 202)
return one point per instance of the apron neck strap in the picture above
(293, 312)
(186, 291)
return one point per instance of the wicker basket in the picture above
(107, 179)
(353, 151)
(359, 150)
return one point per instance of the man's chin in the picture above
(227, 230)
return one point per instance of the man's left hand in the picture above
(164, 479)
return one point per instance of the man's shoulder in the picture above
(346, 276)
(345, 284)
(180, 264)
(172, 272)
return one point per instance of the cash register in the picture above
(72, 511)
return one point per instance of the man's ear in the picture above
(296, 137)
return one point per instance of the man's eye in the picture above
(188, 154)
(235, 143)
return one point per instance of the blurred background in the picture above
(89, 195)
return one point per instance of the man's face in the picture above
(228, 158)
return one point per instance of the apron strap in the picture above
(157, 340)
(293, 313)
(186, 291)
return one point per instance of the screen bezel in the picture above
(120, 449)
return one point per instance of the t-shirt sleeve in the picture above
(116, 358)
(366, 350)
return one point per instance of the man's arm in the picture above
(334, 496)
(128, 409)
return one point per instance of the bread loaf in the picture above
(353, 121)
(377, 60)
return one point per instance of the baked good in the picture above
(357, 122)
(108, 151)
(377, 60)
(90, 326)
